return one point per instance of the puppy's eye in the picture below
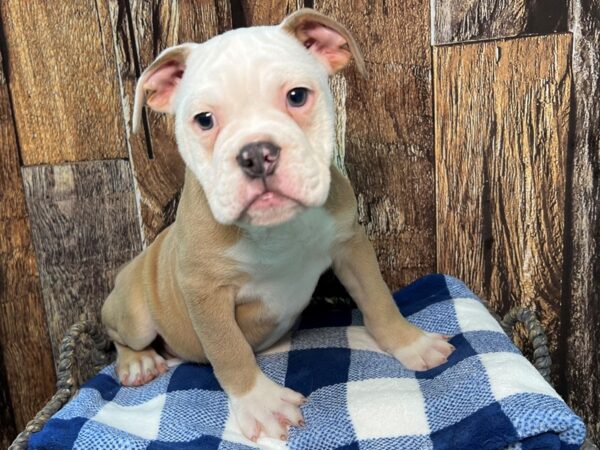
(205, 120)
(297, 97)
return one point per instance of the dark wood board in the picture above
(389, 132)
(581, 314)
(268, 12)
(501, 160)
(26, 369)
(84, 226)
(8, 430)
(476, 20)
(63, 80)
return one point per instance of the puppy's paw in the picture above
(136, 368)
(426, 352)
(268, 408)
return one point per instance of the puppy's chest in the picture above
(284, 263)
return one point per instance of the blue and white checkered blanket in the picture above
(487, 396)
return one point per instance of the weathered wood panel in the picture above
(156, 25)
(268, 12)
(581, 369)
(473, 20)
(84, 227)
(7, 421)
(63, 80)
(25, 353)
(389, 132)
(501, 169)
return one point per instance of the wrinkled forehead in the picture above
(257, 59)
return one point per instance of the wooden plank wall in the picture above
(25, 350)
(84, 226)
(389, 132)
(518, 189)
(580, 358)
(501, 165)
(476, 20)
(59, 113)
(499, 188)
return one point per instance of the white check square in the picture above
(510, 373)
(387, 407)
(473, 316)
(140, 420)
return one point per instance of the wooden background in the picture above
(474, 148)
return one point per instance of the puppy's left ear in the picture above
(325, 38)
(157, 85)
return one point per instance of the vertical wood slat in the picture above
(475, 20)
(63, 80)
(501, 169)
(8, 430)
(268, 12)
(582, 311)
(25, 353)
(157, 25)
(84, 228)
(389, 132)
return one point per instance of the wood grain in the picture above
(156, 25)
(7, 421)
(268, 12)
(26, 369)
(389, 132)
(581, 362)
(474, 20)
(501, 166)
(84, 227)
(63, 80)
(8, 430)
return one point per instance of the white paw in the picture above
(137, 368)
(268, 408)
(426, 352)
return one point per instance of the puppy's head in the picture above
(254, 115)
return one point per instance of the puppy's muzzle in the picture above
(259, 159)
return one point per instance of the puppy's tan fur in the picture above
(186, 261)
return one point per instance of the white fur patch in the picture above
(284, 264)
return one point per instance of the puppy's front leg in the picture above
(257, 402)
(355, 264)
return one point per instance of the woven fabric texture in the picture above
(487, 396)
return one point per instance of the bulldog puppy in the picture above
(262, 214)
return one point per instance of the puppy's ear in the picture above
(325, 38)
(159, 81)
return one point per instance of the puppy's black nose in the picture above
(258, 159)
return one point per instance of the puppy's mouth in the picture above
(268, 199)
(270, 207)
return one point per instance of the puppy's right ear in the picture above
(329, 41)
(158, 83)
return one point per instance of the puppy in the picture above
(262, 214)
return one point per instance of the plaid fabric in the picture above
(487, 396)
